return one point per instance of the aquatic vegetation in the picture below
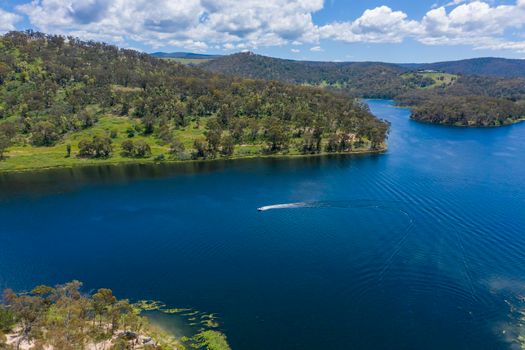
(520, 322)
(211, 340)
(174, 311)
(206, 337)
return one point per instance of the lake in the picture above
(419, 248)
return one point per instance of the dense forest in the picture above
(470, 101)
(54, 89)
(65, 318)
(436, 97)
(484, 66)
(367, 79)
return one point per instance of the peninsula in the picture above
(66, 102)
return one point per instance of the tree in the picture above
(142, 149)
(253, 127)
(199, 149)
(98, 147)
(87, 119)
(332, 145)
(5, 142)
(102, 146)
(28, 310)
(177, 148)
(227, 145)
(7, 319)
(44, 134)
(149, 125)
(124, 110)
(312, 140)
(164, 133)
(276, 135)
(86, 148)
(102, 301)
(127, 148)
(213, 135)
(8, 129)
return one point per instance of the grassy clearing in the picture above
(440, 79)
(187, 61)
(23, 157)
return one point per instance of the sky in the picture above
(408, 31)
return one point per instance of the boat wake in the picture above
(284, 206)
(332, 204)
(390, 206)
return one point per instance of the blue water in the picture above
(418, 248)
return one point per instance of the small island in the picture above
(65, 102)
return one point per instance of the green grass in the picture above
(186, 61)
(22, 157)
(440, 79)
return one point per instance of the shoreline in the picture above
(475, 126)
(151, 161)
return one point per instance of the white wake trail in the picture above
(283, 206)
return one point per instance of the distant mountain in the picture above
(478, 92)
(365, 79)
(186, 55)
(243, 64)
(487, 66)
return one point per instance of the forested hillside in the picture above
(470, 101)
(485, 66)
(366, 79)
(436, 97)
(96, 101)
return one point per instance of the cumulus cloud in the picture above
(475, 23)
(8, 21)
(248, 24)
(470, 22)
(316, 49)
(197, 23)
(379, 25)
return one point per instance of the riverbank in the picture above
(471, 126)
(43, 161)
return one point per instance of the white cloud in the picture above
(379, 25)
(316, 49)
(8, 21)
(476, 23)
(295, 50)
(197, 23)
(248, 24)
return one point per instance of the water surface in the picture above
(415, 249)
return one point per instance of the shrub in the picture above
(7, 320)
(138, 149)
(127, 148)
(98, 147)
(160, 157)
(142, 149)
(44, 134)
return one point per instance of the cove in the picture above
(416, 248)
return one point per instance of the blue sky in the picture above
(339, 30)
